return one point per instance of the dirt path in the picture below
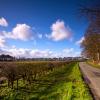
(92, 77)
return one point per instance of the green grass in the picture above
(92, 64)
(62, 84)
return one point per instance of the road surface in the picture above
(92, 78)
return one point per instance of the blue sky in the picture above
(42, 28)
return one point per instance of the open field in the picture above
(49, 81)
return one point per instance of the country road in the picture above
(92, 78)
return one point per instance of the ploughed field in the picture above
(49, 80)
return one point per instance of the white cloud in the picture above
(36, 53)
(59, 31)
(24, 52)
(21, 32)
(2, 42)
(80, 41)
(3, 22)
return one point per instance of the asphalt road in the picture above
(92, 78)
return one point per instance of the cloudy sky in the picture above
(42, 28)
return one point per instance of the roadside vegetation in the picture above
(44, 81)
(96, 65)
(91, 42)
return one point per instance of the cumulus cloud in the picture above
(59, 31)
(36, 53)
(3, 22)
(28, 53)
(80, 41)
(21, 31)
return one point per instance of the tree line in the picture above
(91, 43)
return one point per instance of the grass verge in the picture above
(92, 64)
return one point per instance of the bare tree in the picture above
(91, 43)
